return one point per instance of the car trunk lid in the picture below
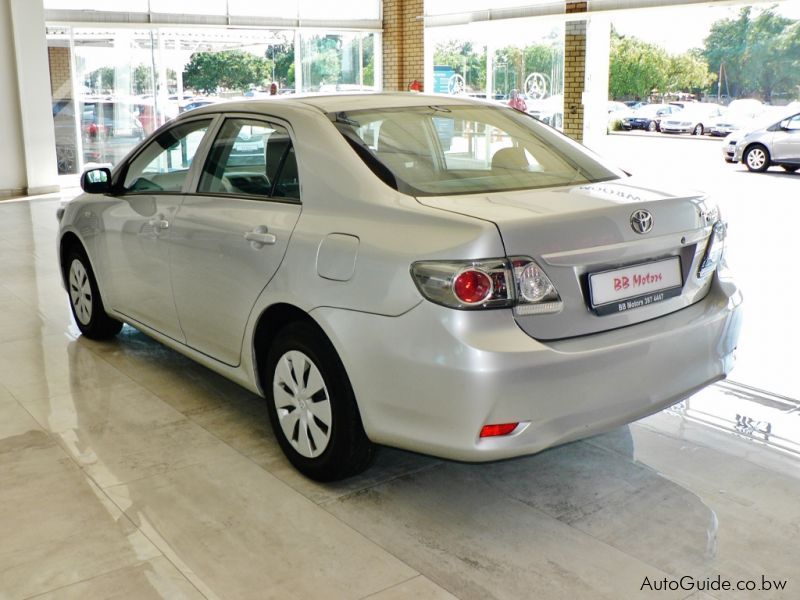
(575, 232)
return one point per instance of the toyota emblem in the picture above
(642, 221)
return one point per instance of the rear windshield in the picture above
(445, 150)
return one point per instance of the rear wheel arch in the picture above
(269, 325)
(334, 445)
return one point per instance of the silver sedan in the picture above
(432, 273)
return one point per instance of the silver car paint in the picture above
(543, 224)
(426, 377)
(783, 146)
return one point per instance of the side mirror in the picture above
(96, 181)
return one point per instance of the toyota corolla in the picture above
(431, 273)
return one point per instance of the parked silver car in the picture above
(775, 144)
(438, 274)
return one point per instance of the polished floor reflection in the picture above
(127, 471)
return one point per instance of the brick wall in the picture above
(60, 74)
(574, 72)
(403, 39)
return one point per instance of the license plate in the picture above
(632, 287)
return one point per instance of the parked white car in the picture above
(736, 115)
(695, 118)
(439, 274)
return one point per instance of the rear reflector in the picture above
(495, 430)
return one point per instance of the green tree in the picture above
(688, 72)
(759, 53)
(514, 64)
(509, 69)
(230, 69)
(369, 60)
(100, 80)
(322, 60)
(282, 53)
(636, 67)
(143, 79)
(464, 60)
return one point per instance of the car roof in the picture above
(340, 102)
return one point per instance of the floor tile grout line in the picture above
(391, 587)
(542, 513)
(88, 579)
(177, 567)
(123, 514)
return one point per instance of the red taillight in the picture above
(495, 430)
(472, 286)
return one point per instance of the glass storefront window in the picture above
(338, 62)
(513, 59)
(115, 83)
(112, 86)
(459, 60)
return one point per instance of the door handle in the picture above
(158, 223)
(259, 237)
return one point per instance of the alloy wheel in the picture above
(80, 291)
(303, 403)
(756, 158)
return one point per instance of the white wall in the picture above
(13, 180)
(27, 146)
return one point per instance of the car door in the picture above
(137, 225)
(231, 234)
(786, 141)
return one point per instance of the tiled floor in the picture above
(126, 471)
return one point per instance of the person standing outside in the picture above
(517, 101)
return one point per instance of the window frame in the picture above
(258, 117)
(121, 174)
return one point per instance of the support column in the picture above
(12, 166)
(574, 72)
(403, 44)
(33, 101)
(595, 96)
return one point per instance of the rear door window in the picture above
(251, 158)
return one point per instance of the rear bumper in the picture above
(429, 380)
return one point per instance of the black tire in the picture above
(85, 300)
(790, 168)
(652, 127)
(347, 450)
(698, 129)
(756, 158)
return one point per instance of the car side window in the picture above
(251, 158)
(164, 163)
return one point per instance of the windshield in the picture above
(445, 150)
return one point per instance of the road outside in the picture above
(763, 213)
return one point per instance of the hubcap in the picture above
(756, 158)
(303, 404)
(80, 292)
